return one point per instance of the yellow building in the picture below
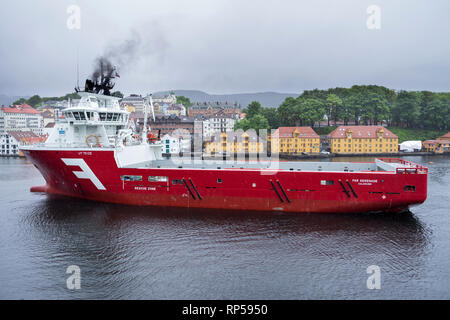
(436, 146)
(363, 139)
(235, 142)
(129, 107)
(445, 137)
(294, 140)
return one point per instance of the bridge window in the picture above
(131, 178)
(76, 115)
(102, 116)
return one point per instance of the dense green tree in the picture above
(333, 107)
(406, 109)
(253, 109)
(287, 112)
(20, 101)
(184, 101)
(311, 110)
(34, 101)
(243, 124)
(259, 122)
(272, 117)
(117, 94)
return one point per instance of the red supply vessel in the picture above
(92, 154)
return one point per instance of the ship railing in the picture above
(407, 167)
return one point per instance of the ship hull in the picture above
(94, 175)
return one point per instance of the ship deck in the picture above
(378, 165)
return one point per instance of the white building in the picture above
(11, 140)
(411, 146)
(21, 118)
(169, 99)
(173, 145)
(176, 109)
(217, 123)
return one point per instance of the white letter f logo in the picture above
(85, 173)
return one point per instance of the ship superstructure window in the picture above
(177, 181)
(327, 182)
(102, 116)
(158, 179)
(131, 178)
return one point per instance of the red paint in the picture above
(303, 189)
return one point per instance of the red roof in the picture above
(445, 136)
(23, 108)
(361, 132)
(303, 132)
(25, 137)
(436, 142)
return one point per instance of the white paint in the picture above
(85, 173)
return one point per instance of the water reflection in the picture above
(142, 252)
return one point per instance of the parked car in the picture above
(324, 152)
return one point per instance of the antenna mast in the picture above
(78, 70)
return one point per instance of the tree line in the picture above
(358, 105)
(37, 101)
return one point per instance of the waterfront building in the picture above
(436, 146)
(11, 140)
(363, 139)
(20, 118)
(294, 140)
(235, 142)
(444, 137)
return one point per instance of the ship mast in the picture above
(146, 104)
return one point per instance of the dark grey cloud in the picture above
(226, 46)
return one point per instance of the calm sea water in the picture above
(159, 253)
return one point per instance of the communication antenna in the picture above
(78, 70)
(153, 110)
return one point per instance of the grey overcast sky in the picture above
(226, 46)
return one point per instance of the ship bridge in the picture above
(95, 121)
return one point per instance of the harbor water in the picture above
(126, 252)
